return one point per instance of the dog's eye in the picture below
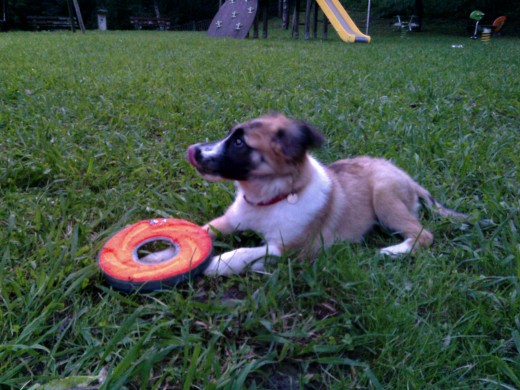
(238, 143)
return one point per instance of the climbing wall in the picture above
(233, 19)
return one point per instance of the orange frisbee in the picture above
(188, 254)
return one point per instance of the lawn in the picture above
(94, 131)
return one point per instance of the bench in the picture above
(51, 22)
(142, 22)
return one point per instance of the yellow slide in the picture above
(342, 23)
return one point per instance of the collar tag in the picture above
(292, 198)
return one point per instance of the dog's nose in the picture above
(192, 154)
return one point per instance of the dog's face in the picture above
(268, 146)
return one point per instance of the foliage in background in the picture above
(184, 11)
(181, 11)
(440, 8)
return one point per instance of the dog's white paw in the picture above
(399, 249)
(234, 262)
(217, 266)
(228, 263)
(258, 266)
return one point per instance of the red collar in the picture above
(269, 202)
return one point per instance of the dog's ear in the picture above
(295, 140)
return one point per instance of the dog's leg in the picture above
(396, 215)
(406, 246)
(220, 225)
(235, 261)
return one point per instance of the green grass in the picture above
(94, 130)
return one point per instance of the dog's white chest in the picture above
(284, 221)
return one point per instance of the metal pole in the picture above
(368, 17)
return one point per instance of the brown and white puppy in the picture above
(296, 203)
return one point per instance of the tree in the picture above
(419, 12)
(156, 9)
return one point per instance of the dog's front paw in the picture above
(228, 263)
(234, 262)
(210, 230)
(223, 265)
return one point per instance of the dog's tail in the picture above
(438, 207)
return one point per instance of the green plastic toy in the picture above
(476, 15)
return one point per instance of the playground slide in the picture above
(342, 23)
(233, 19)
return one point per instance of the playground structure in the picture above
(495, 28)
(401, 24)
(235, 18)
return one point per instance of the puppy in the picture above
(297, 203)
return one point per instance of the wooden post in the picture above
(308, 19)
(368, 17)
(285, 14)
(325, 26)
(262, 9)
(296, 20)
(315, 22)
(78, 15)
(71, 17)
(265, 17)
(255, 24)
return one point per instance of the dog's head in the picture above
(268, 146)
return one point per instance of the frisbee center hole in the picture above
(157, 250)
